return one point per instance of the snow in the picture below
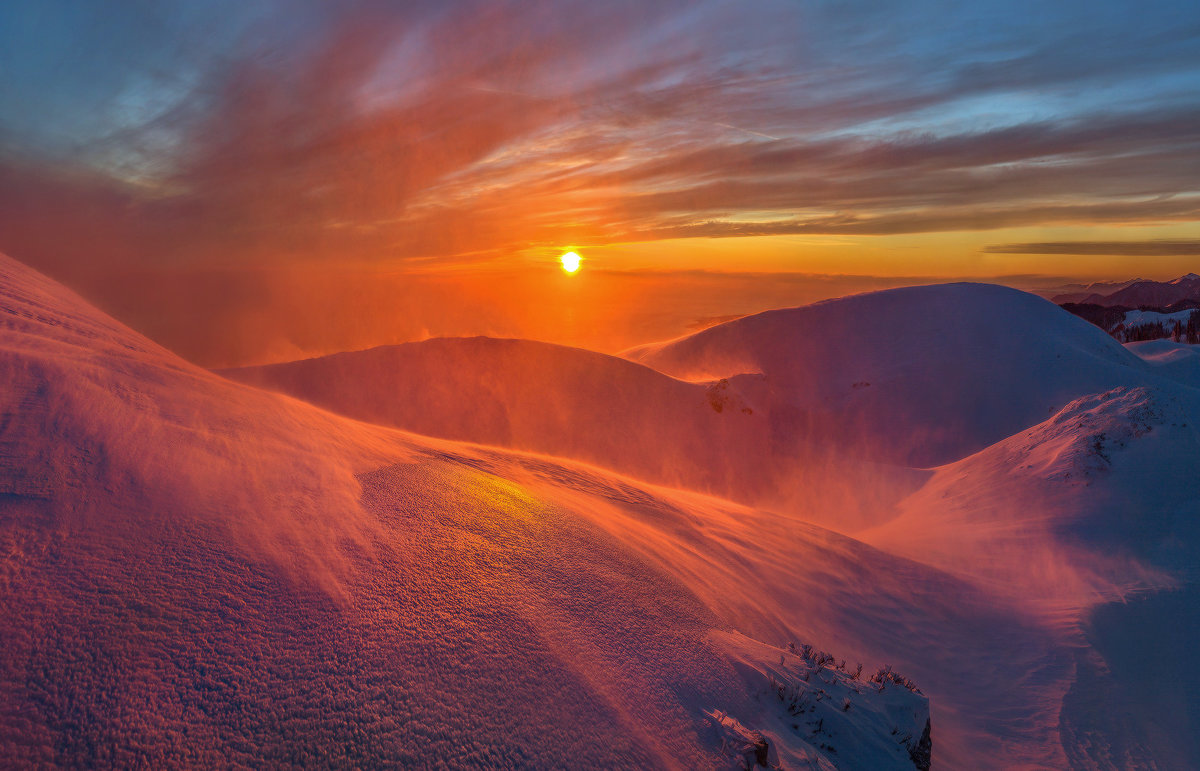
(1155, 294)
(1100, 471)
(847, 718)
(197, 572)
(1088, 520)
(723, 437)
(546, 398)
(1135, 318)
(822, 411)
(1178, 361)
(920, 375)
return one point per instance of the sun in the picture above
(570, 262)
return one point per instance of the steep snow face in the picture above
(921, 375)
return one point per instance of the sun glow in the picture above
(570, 262)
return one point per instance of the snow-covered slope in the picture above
(547, 398)
(1177, 361)
(712, 437)
(1098, 501)
(810, 692)
(922, 375)
(1091, 520)
(806, 410)
(1135, 318)
(197, 572)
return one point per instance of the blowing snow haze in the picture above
(623, 385)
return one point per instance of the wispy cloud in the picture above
(477, 129)
(1159, 247)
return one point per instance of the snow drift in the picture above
(1177, 361)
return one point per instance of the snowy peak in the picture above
(1144, 310)
(1081, 293)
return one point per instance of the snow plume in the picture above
(739, 438)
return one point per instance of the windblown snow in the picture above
(197, 572)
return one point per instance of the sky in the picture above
(261, 181)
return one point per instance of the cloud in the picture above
(429, 136)
(1159, 247)
(470, 131)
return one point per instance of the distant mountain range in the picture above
(1141, 310)
(1139, 293)
(1078, 293)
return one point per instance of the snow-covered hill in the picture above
(807, 410)
(547, 398)
(1092, 520)
(921, 375)
(723, 437)
(1100, 500)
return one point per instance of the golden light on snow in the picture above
(570, 262)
